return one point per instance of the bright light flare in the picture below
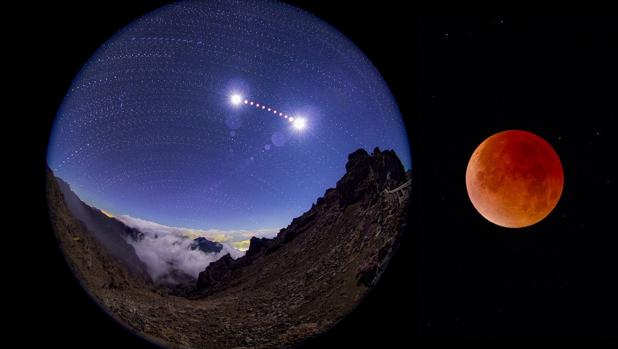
(299, 123)
(236, 99)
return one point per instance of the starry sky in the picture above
(156, 126)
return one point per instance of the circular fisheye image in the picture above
(228, 174)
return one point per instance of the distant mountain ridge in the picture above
(206, 245)
(238, 238)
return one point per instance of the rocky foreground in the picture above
(282, 291)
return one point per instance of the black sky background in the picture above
(457, 80)
(555, 77)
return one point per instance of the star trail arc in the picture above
(151, 127)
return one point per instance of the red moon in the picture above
(514, 179)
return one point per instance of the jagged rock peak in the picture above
(365, 178)
(369, 174)
(256, 245)
(356, 158)
(215, 271)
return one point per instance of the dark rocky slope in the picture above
(285, 289)
(94, 266)
(340, 224)
(109, 232)
(113, 237)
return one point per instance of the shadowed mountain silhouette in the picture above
(206, 245)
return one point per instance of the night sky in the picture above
(555, 77)
(151, 128)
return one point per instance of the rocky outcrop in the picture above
(224, 266)
(216, 271)
(368, 175)
(350, 217)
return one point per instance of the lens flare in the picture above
(299, 123)
(236, 99)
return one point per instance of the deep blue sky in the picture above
(147, 128)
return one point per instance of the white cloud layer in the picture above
(217, 235)
(166, 250)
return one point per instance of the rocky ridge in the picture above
(283, 290)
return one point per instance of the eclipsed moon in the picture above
(514, 179)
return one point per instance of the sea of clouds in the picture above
(165, 250)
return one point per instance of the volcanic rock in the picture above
(282, 291)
